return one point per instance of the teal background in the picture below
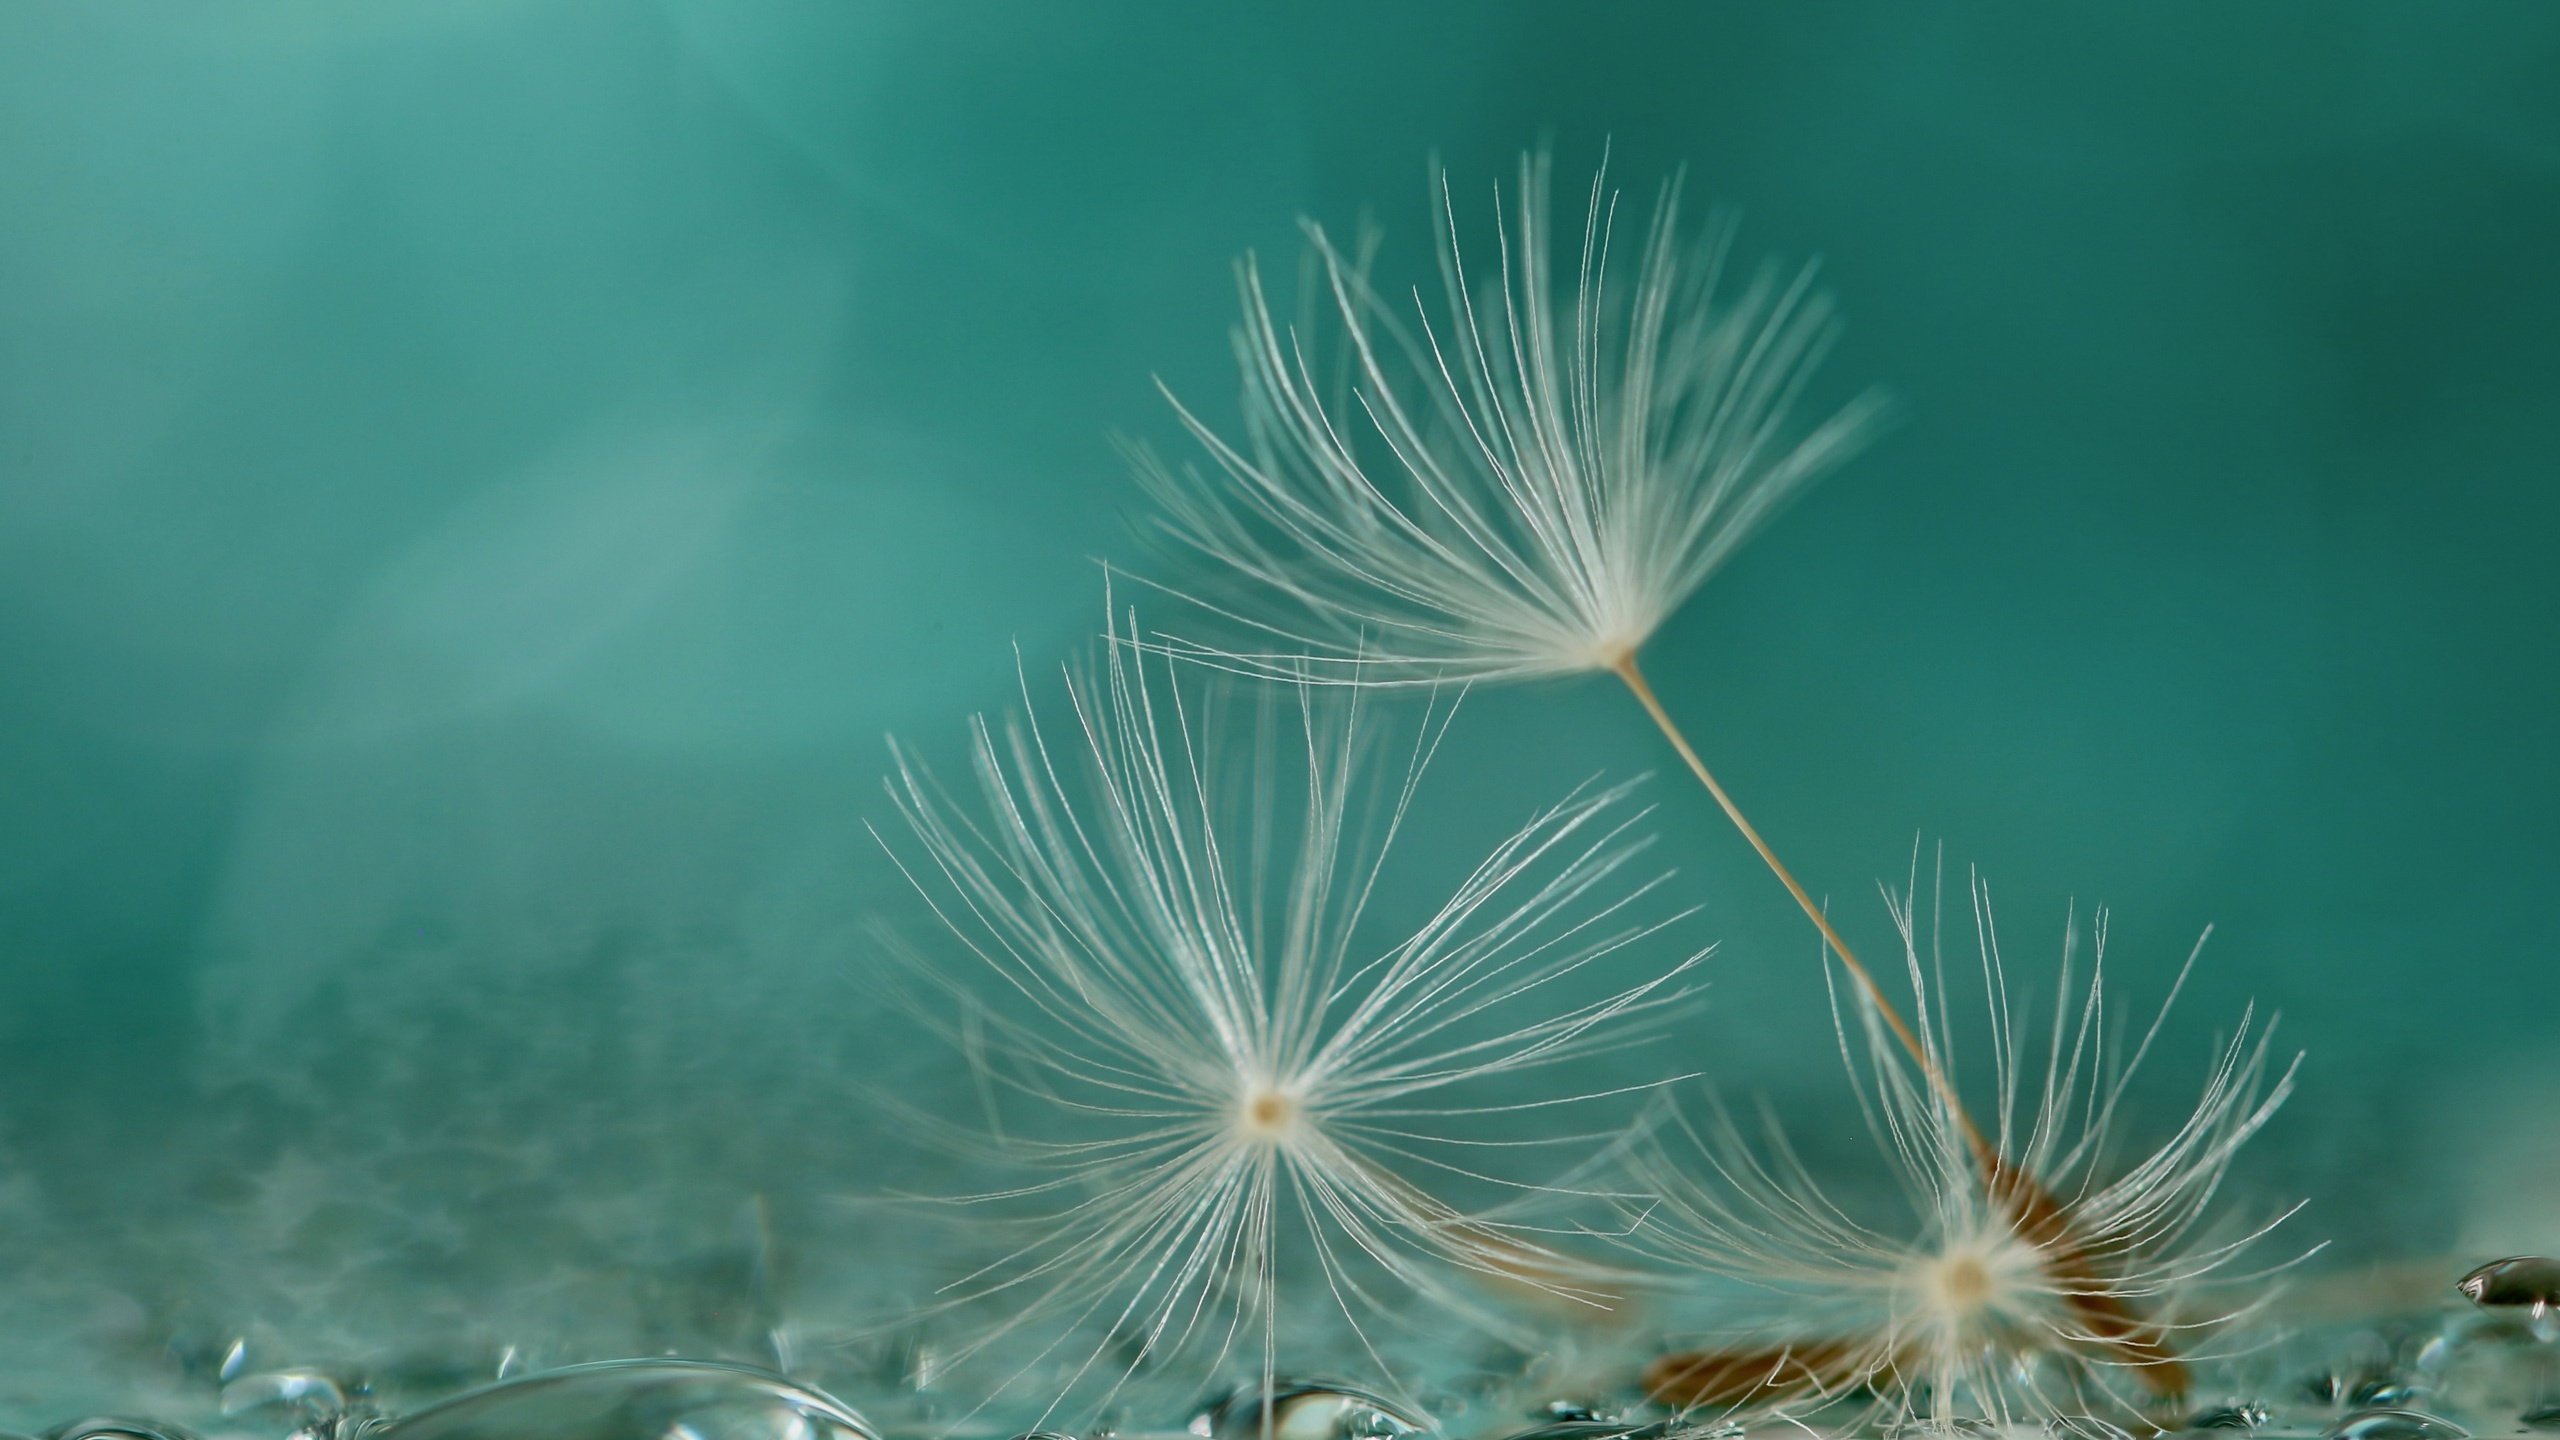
(491, 471)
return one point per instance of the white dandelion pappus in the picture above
(2067, 1291)
(1231, 1077)
(1527, 486)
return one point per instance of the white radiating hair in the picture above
(2055, 1281)
(1215, 1065)
(1528, 485)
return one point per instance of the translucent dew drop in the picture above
(2245, 1415)
(2383, 1392)
(636, 1400)
(106, 1427)
(2526, 1282)
(311, 1390)
(2394, 1425)
(1601, 1430)
(1303, 1410)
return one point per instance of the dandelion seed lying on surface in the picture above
(1226, 1076)
(2008, 1304)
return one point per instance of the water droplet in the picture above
(2246, 1415)
(2382, 1393)
(2326, 1388)
(2543, 1417)
(2525, 1282)
(353, 1424)
(1303, 1410)
(635, 1400)
(2395, 1425)
(1569, 1410)
(1600, 1430)
(108, 1427)
(309, 1389)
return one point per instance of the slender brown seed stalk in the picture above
(2042, 1219)
(1627, 671)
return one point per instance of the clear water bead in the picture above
(108, 1427)
(310, 1390)
(2541, 1417)
(1600, 1430)
(2526, 1282)
(2395, 1425)
(2246, 1415)
(1303, 1410)
(636, 1400)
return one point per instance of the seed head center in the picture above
(1268, 1113)
(1964, 1282)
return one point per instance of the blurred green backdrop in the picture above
(493, 469)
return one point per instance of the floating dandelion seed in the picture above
(1528, 487)
(2008, 1304)
(1234, 1080)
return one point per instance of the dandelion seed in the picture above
(1224, 1081)
(2006, 1304)
(1527, 487)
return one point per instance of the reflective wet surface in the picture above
(1302, 1410)
(635, 1400)
(1597, 1430)
(117, 1428)
(2464, 1368)
(2394, 1424)
(2243, 1416)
